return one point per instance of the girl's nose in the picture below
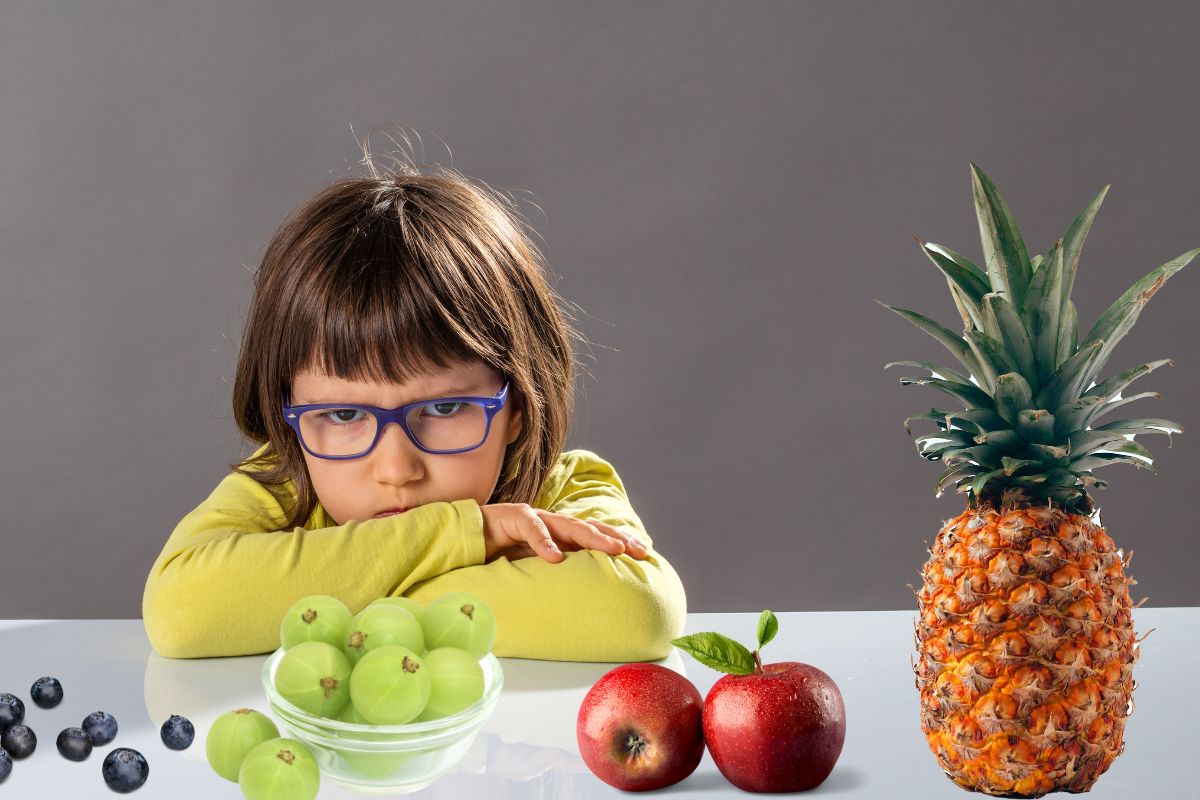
(395, 458)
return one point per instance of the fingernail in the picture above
(636, 542)
(552, 547)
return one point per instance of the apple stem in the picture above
(757, 662)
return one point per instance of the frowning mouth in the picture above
(390, 513)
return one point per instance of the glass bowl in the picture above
(386, 759)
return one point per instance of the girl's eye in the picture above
(340, 416)
(441, 410)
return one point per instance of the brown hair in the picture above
(385, 276)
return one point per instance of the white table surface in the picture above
(527, 749)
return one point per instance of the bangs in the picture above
(374, 312)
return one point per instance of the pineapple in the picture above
(1025, 630)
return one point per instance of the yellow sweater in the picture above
(223, 580)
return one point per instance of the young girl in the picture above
(417, 300)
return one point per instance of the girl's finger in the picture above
(578, 534)
(536, 533)
(633, 545)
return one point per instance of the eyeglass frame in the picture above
(492, 404)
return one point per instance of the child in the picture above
(422, 292)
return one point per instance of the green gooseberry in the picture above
(376, 765)
(379, 625)
(370, 765)
(351, 714)
(455, 681)
(462, 620)
(314, 676)
(316, 618)
(279, 769)
(407, 603)
(232, 735)
(390, 685)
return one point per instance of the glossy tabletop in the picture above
(527, 749)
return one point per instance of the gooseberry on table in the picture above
(279, 769)
(232, 736)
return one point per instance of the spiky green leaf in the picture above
(934, 414)
(1080, 443)
(982, 480)
(1143, 425)
(1074, 416)
(954, 474)
(986, 351)
(982, 419)
(1007, 440)
(1036, 425)
(1062, 387)
(936, 371)
(1068, 333)
(1004, 250)
(1001, 316)
(1042, 308)
(1053, 455)
(1120, 317)
(1012, 465)
(971, 285)
(984, 455)
(1013, 395)
(959, 259)
(969, 394)
(1109, 388)
(948, 338)
(1073, 244)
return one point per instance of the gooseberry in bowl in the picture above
(462, 620)
(315, 618)
(379, 759)
(315, 676)
(407, 603)
(382, 624)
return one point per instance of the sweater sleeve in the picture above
(227, 575)
(590, 606)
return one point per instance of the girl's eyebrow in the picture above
(453, 391)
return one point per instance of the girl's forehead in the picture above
(466, 376)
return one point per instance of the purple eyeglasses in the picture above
(455, 429)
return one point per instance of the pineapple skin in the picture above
(1026, 650)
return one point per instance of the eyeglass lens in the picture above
(437, 426)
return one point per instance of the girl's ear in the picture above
(514, 426)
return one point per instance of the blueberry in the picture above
(100, 727)
(125, 769)
(74, 744)
(19, 740)
(47, 692)
(12, 711)
(5, 765)
(177, 732)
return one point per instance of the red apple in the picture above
(639, 727)
(777, 729)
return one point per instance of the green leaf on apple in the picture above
(717, 651)
(768, 626)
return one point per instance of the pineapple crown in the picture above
(1030, 388)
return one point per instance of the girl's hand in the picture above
(518, 530)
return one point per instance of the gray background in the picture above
(724, 188)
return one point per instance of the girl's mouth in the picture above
(390, 513)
